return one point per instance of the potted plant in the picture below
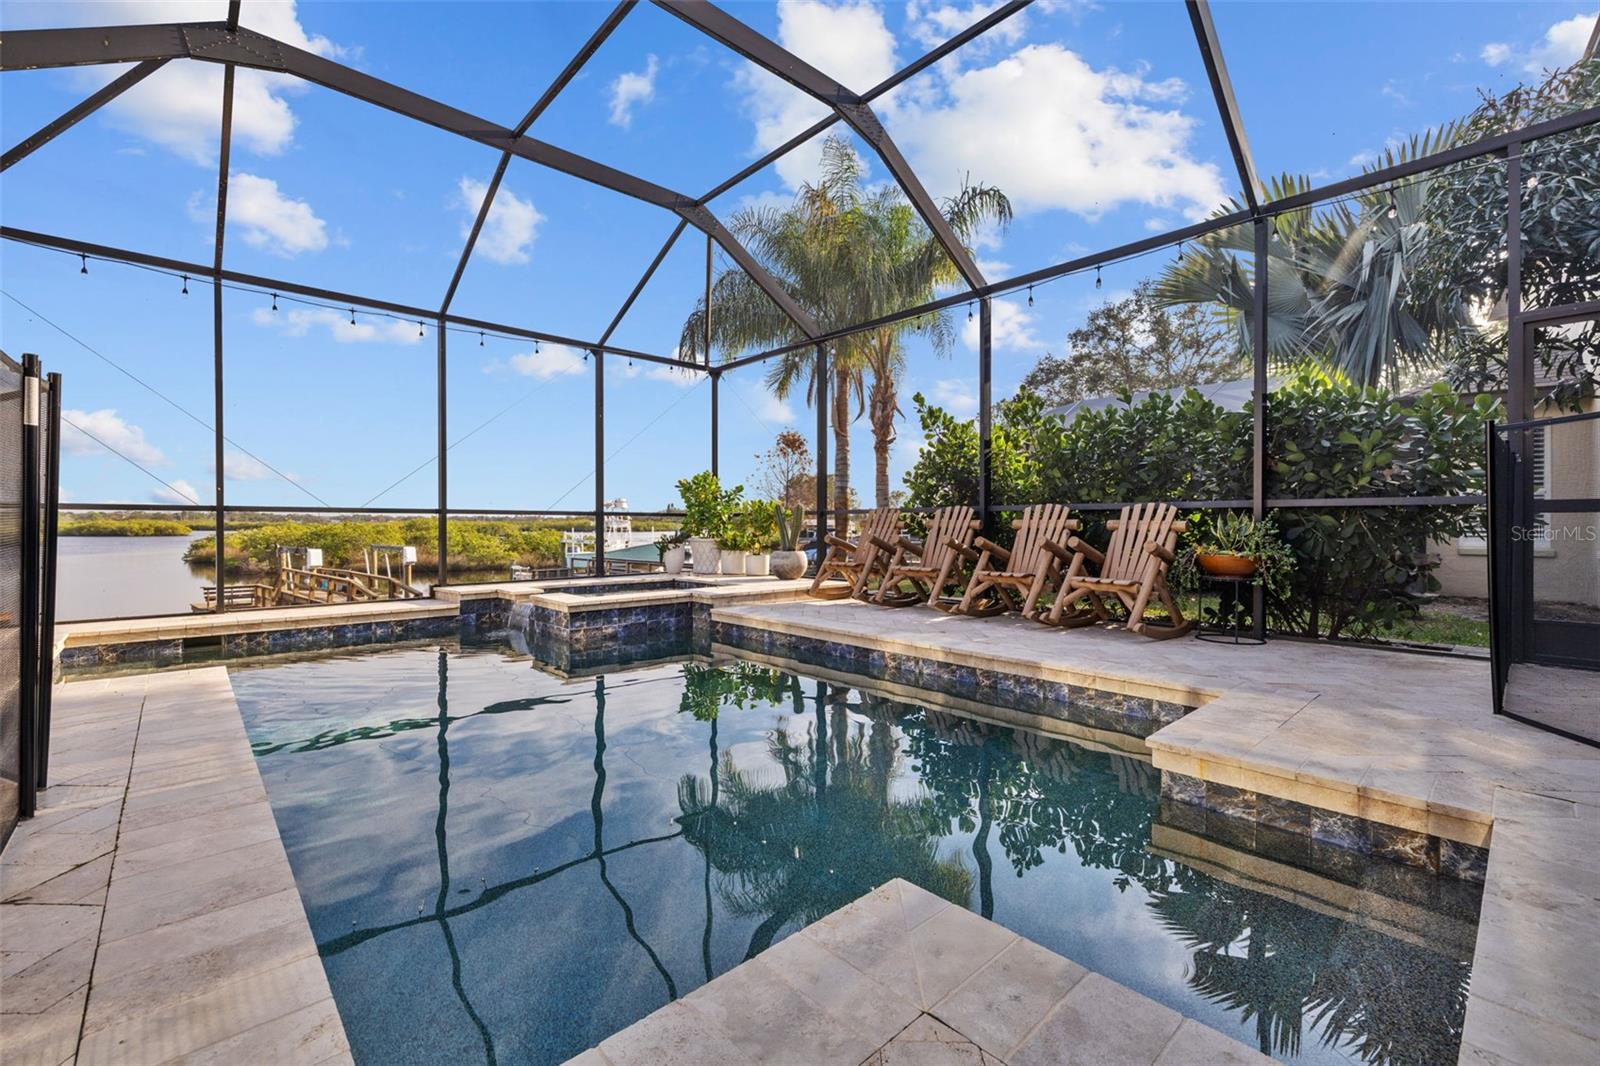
(789, 562)
(707, 508)
(1235, 545)
(760, 530)
(669, 546)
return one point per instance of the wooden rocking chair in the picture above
(1133, 569)
(939, 560)
(1027, 570)
(856, 561)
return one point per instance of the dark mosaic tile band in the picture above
(265, 642)
(1137, 716)
(1341, 846)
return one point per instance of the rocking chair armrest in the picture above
(974, 525)
(911, 545)
(1164, 554)
(987, 545)
(883, 545)
(1074, 524)
(836, 541)
(1064, 554)
(963, 550)
(1084, 548)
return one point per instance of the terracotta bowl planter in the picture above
(1226, 565)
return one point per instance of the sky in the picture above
(1094, 118)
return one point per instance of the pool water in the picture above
(502, 866)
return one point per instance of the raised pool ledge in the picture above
(1377, 738)
(586, 614)
(904, 976)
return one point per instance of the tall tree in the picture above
(1136, 344)
(847, 253)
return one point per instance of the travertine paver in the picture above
(902, 977)
(1402, 739)
(149, 910)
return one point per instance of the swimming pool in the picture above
(504, 866)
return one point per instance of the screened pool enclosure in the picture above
(1251, 247)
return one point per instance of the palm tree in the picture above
(1342, 285)
(847, 254)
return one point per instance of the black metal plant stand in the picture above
(1230, 623)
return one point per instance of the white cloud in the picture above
(931, 24)
(176, 491)
(299, 321)
(957, 396)
(552, 360)
(684, 379)
(631, 89)
(1010, 328)
(92, 432)
(1562, 45)
(1056, 133)
(769, 408)
(180, 106)
(848, 41)
(237, 466)
(268, 219)
(511, 227)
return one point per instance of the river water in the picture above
(112, 577)
(122, 577)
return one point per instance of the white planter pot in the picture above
(672, 561)
(758, 565)
(733, 562)
(704, 551)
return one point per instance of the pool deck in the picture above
(1406, 740)
(902, 977)
(148, 913)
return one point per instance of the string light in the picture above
(536, 346)
(480, 338)
(274, 301)
(1030, 295)
(1394, 208)
(83, 263)
(969, 312)
(352, 316)
(186, 285)
(1097, 277)
(419, 327)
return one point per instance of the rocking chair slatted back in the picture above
(1039, 524)
(948, 524)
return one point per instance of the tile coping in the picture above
(901, 967)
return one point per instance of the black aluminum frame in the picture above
(233, 46)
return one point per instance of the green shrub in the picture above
(1357, 570)
(124, 527)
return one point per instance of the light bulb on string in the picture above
(969, 312)
(1097, 277)
(185, 284)
(536, 346)
(1030, 295)
(480, 338)
(83, 263)
(274, 301)
(1394, 208)
(419, 327)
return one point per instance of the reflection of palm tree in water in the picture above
(827, 833)
(1267, 960)
(1286, 968)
